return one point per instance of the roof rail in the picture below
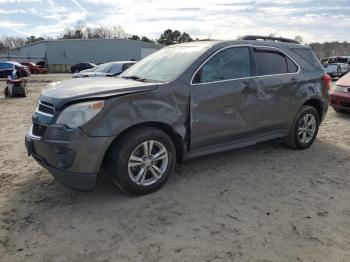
(271, 38)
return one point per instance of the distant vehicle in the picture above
(324, 60)
(339, 59)
(42, 70)
(336, 69)
(340, 94)
(24, 70)
(107, 69)
(41, 63)
(81, 66)
(33, 68)
(6, 69)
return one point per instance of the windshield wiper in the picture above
(136, 78)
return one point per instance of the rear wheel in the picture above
(141, 161)
(304, 129)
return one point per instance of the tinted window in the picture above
(230, 63)
(308, 56)
(292, 67)
(270, 63)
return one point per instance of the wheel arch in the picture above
(178, 140)
(317, 104)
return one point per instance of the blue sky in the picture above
(314, 20)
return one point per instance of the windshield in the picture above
(331, 68)
(104, 68)
(166, 64)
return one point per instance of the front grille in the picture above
(45, 108)
(38, 129)
(345, 104)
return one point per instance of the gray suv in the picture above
(180, 102)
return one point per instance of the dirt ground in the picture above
(262, 203)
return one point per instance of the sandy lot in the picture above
(262, 203)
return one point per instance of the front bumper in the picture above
(340, 100)
(71, 156)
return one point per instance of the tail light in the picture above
(328, 80)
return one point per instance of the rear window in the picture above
(271, 62)
(308, 56)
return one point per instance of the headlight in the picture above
(78, 114)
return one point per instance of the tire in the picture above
(6, 92)
(144, 176)
(299, 136)
(25, 92)
(338, 110)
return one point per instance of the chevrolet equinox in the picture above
(183, 101)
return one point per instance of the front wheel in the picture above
(6, 92)
(304, 129)
(141, 161)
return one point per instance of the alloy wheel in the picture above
(148, 163)
(307, 128)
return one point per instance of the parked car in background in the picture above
(336, 69)
(33, 68)
(324, 60)
(24, 70)
(339, 59)
(107, 69)
(6, 69)
(9, 66)
(42, 70)
(81, 66)
(340, 94)
(183, 101)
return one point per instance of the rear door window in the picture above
(230, 63)
(270, 63)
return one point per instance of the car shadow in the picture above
(237, 186)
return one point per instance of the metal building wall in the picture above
(94, 50)
(60, 55)
(31, 52)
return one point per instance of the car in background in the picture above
(336, 69)
(324, 60)
(81, 66)
(6, 69)
(9, 66)
(339, 96)
(107, 69)
(33, 68)
(339, 59)
(24, 70)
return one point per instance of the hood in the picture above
(60, 93)
(344, 81)
(90, 74)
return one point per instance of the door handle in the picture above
(247, 90)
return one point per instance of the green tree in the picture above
(134, 37)
(33, 39)
(146, 39)
(298, 38)
(170, 37)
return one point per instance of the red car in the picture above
(339, 97)
(33, 68)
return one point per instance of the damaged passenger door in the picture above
(223, 98)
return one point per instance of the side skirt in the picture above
(235, 144)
